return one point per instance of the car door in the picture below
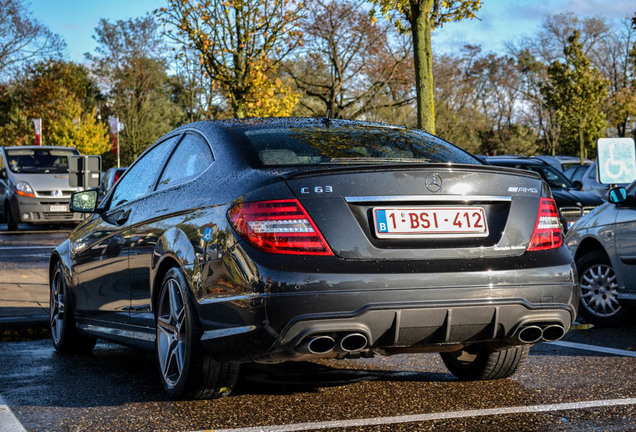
(189, 160)
(102, 248)
(625, 240)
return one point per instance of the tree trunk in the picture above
(582, 145)
(423, 56)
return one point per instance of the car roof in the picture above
(293, 121)
(38, 147)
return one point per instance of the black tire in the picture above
(12, 222)
(66, 339)
(185, 370)
(598, 293)
(475, 363)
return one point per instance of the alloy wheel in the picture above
(171, 332)
(57, 308)
(599, 293)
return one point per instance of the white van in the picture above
(34, 185)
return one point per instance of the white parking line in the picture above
(379, 421)
(601, 349)
(8, 421)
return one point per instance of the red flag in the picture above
(37, 125)
(114, 134)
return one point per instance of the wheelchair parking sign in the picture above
(616, 160)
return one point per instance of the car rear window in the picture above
(322, 145)
(38, 161)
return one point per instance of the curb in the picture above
(8, 420)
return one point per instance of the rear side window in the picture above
(142, 176)
(349, 144)
(190, 159)
(575, 173)
(554, 178)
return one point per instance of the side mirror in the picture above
(577, 184)
(617, 195)
(84, 201)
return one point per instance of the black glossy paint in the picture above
(259, 306)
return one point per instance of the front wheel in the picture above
(480, 363)
(599, 303)
(66, 338)
(12, 222)
(185, 370)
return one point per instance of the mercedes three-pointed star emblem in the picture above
(433, 183)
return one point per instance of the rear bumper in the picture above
(422, 311)
(43, 210)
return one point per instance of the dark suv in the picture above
(573, 203)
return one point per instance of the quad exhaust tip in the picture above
(533, 333)
(530, 334)
(553, 332)
(353, 342)
(321, 344)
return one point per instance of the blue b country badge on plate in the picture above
(380, 217)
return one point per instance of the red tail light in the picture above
(282, 227)
(547, 230)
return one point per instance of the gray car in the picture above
(273, 240)
(591, 183)
(604, 247)
(34, 185)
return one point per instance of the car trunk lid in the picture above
(349, 204)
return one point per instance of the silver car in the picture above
(603, 244)
(591, 183)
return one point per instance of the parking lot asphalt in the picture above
(24, 299)
(582, 383)
(407, 393)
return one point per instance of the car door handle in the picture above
(122, 218)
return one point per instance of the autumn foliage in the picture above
(240, 44)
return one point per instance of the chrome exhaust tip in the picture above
(553, 332)
(353, 342)
(320, 345)
(530, 334)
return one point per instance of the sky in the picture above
(500, 21)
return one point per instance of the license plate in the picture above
(422, 222)
(59, 208)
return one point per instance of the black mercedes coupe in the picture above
(271, 240)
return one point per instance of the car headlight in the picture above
(24, 189)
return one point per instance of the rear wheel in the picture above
(479, 363)
(66, 338)
(186, 371)
(599, 302)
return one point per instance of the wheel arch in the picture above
(173, 249)
(588, 245)
(61, 254)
